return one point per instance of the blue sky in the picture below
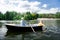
(50, 3)
(39, 6)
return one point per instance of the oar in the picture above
(33, 29)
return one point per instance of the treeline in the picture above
(27, 16)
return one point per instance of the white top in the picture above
(23, 23)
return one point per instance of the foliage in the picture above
(17, 17)
(30, 16)
(10, 15)
(1, 16)
(58, 15)
(27, 16)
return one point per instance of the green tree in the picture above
(34, 16)
(28, 16)
(58, 15)
(1, 16)
(18, 16)
(10, 15)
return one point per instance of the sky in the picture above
(39, 6)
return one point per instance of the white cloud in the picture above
(24, 6)
(54, 10)
(44, 5)
(51, 10)
(58, 10)
(18, 5)
(36, 3)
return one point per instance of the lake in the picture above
(52, 32)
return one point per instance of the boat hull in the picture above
(23, 29)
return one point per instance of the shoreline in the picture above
(48, 18)
(35, 19)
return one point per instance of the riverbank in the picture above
(48, 19)
(37, 19)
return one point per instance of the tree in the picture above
(18, 16)
(58, 15)
(1, 16)
(34, 16)
(10, 15)
(28, 16)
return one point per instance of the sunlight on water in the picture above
(51, 25)
(3, 31)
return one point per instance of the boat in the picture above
(24, 27)
(13, 27)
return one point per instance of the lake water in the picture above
(52, 32)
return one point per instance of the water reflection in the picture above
(1, 24)
(3, 31)
(22, 36)
(58, 23)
